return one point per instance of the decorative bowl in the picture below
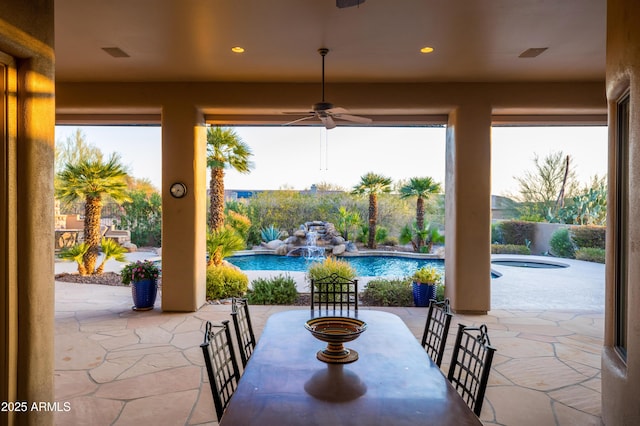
(336, 331)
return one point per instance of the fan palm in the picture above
(422, 188)
(372, 184)
(225, 149)
(91, 180)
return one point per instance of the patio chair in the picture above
(471, 364)
(436, 329)
(245, 338)
(334, 292)
(222, 367)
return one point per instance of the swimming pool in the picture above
(365, 266)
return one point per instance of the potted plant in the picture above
(424, 285)
(143, 277)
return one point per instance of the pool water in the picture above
(365, 266)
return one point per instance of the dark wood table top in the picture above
(394, 382)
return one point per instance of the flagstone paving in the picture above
(116, 366)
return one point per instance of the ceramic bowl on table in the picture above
(336, 331)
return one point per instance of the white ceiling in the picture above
(379, 41)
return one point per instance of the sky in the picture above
(297, 157)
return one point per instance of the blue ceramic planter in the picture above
(422, 293)
(144, 294)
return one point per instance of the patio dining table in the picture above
(394, 381)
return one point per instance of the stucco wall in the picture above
(621, 380)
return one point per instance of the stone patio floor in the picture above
(116, 366)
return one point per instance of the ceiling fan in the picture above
(325, 111)
(341, 4)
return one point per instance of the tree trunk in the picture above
(373, 218)
(92, 213)
(420, 221)
(216, 208)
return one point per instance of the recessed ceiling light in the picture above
(426, 49)
(237, 49)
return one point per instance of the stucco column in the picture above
(184, 153)
(468, 209)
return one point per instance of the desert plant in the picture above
(76, 253)
(225, 281)
(372, 185)
(388, 292)
(225, 149)
(110, 250)
(239, 222)
(381, 234)
(270, 233)
(278, 290)
(91, 181)
(221, 243)
(329, 266)
(591, 254)
(561, 244)
(421, 188)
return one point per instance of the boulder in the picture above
(337, 240)
(351, 247)
(274, 244)
(300, 233)
(283, 249)
(339, 249)
(130, 247)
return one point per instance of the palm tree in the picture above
(421, 188)
(225, 149)
(372, 185)
(91, 180)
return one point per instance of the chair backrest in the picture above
(221, 363)
(471, 364)
(436, 329)
(334, 292)
(244, 331)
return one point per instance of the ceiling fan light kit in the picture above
(325, 111)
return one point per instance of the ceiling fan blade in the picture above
(353, 118)
(298, 120)
(328, 122)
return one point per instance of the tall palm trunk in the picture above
(419, 221)
(373, 218)
(216, 186)
(92, 212)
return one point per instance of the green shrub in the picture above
(509, 249)
(278, 290)
(496, 234)
(591, 254)
(561, 244)
(388, 292)
(381, 234)
(391, 241)
(517, 232)
(225, 281)
(330, 266)
(589, 236)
